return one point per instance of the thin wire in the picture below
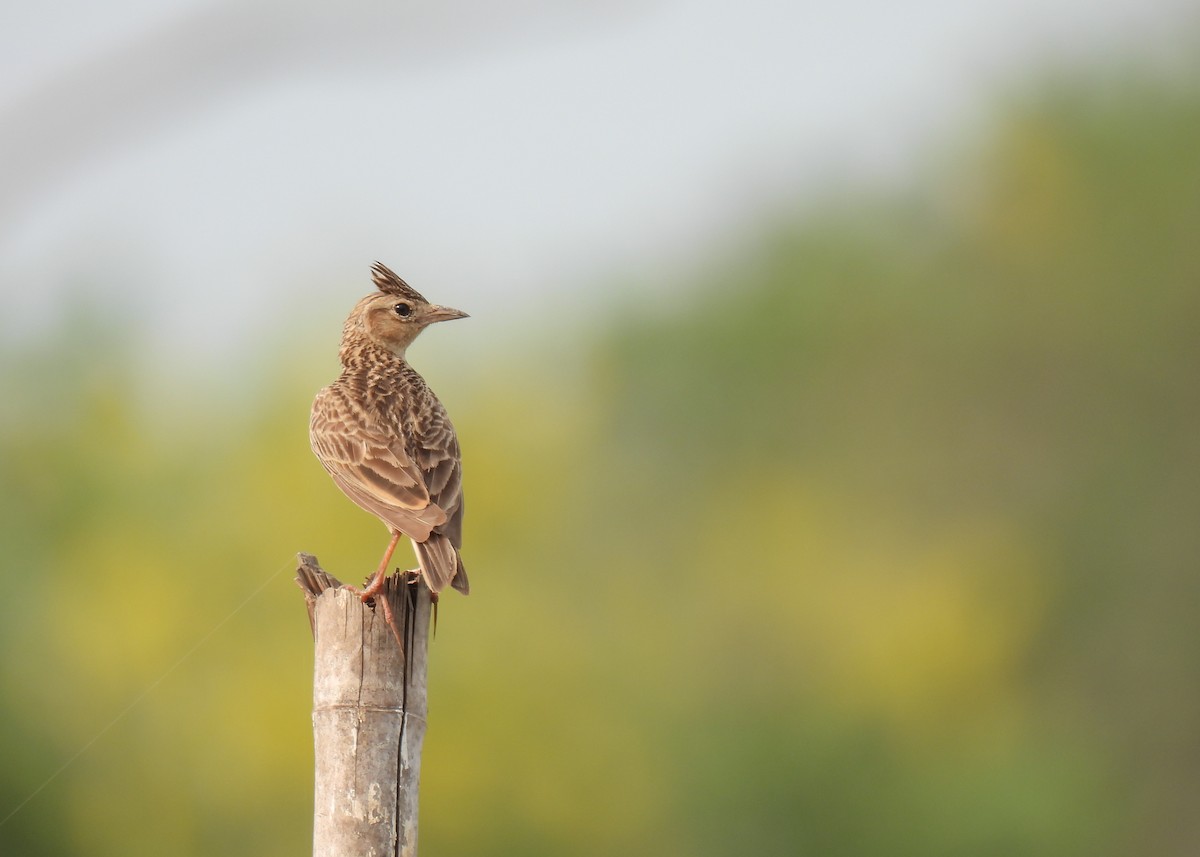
(145, 692)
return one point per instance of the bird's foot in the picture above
(375, 584)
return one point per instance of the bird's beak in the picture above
(443, 313)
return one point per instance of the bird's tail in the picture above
(441, 565)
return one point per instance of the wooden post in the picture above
(369, 710)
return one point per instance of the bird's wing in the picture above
(371, 466)
(436, 452)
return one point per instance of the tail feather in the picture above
(440, 563)
(460, 581)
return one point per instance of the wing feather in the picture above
(373, 471)
(436, 450)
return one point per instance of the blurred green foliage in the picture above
(880, 538)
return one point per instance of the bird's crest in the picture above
(389, 282)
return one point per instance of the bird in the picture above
(387, 441)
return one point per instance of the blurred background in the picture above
(829, 407)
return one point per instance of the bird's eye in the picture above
(403, 310)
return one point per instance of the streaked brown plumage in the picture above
(385, 438)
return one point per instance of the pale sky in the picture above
(211, 168)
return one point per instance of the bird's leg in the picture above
(375, 584)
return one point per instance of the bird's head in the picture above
(392, 319)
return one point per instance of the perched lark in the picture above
(386, 440)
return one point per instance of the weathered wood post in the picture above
(369, 710)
